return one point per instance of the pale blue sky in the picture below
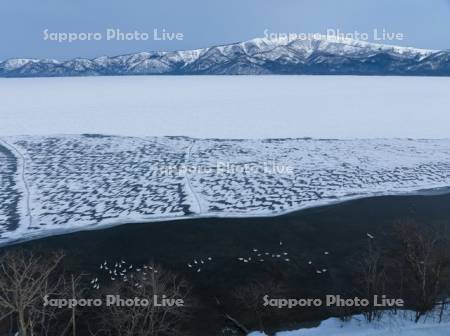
(426, 23)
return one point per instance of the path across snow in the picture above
(197, 206)
(27, 217)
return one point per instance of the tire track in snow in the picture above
(188, 181)
(190, 189)
(21, 159)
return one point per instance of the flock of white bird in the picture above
(259, 256)
(198, 263)
(129, 273)
(121, 271)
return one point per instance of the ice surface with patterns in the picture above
(322, 171)
(9, 193)
(82, 181)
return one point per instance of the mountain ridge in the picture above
(259, 56)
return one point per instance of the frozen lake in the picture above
(228, 107)
(91, 181)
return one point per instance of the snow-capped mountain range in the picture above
(255, 57)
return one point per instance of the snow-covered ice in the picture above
(52, 182)
(10, 194)
(400, 324)
(78, 182)
(228, 107)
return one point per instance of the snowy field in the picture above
(51, 182)
(65, 183)
(401, 324)
(228, 107)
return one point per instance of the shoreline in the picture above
(438, 191)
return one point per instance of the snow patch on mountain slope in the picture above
(256, 56)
